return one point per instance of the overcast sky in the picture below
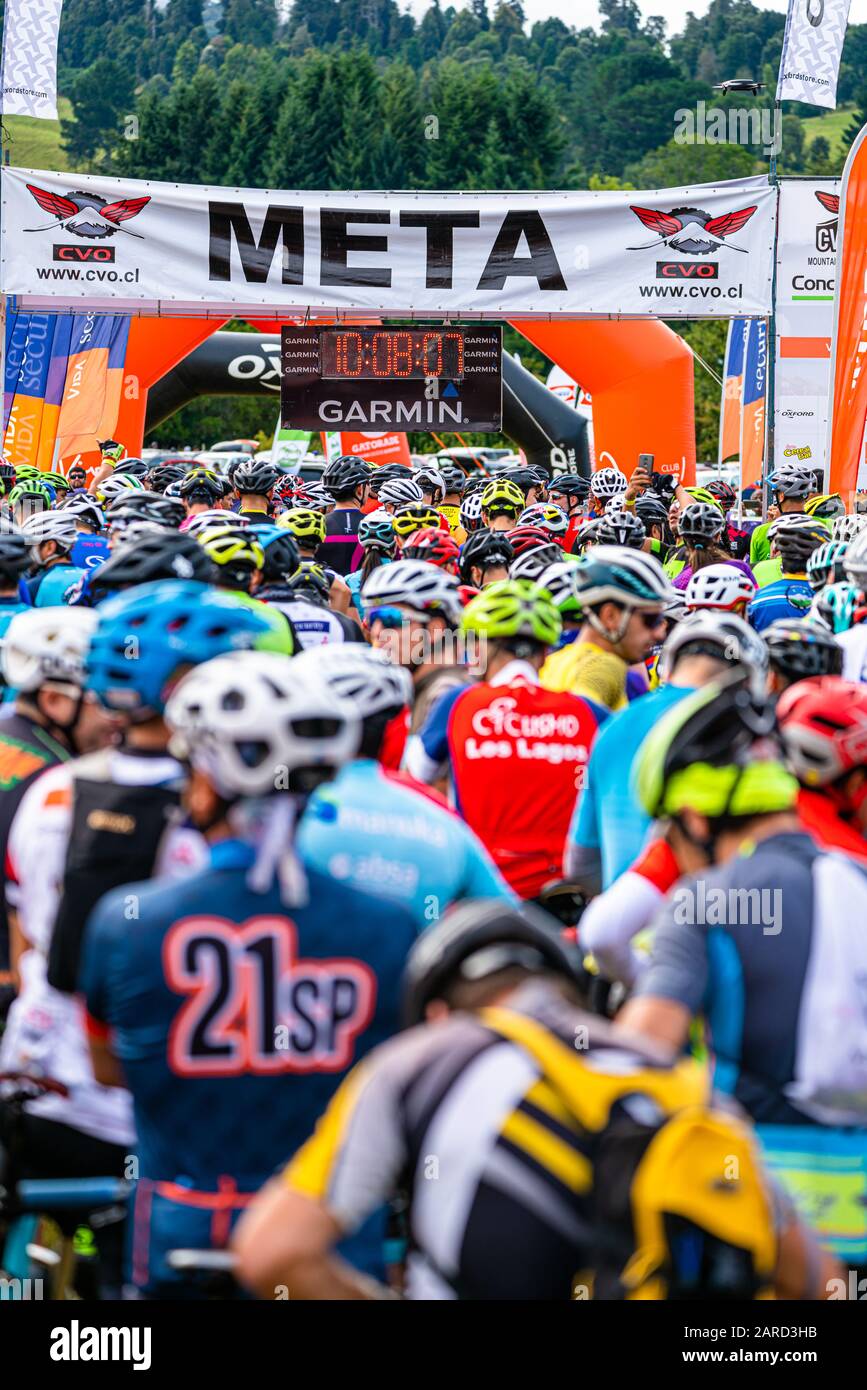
(583, 13)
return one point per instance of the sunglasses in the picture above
(394, 617)
(651, 620)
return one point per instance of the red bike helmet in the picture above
(524, 538)
(467, 592)
(823, 722)
(436, 546)
(723, 492)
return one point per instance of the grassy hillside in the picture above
(831, 124)
(35, 144)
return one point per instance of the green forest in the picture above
(359, 94)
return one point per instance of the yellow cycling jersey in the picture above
(585, 669)
(453, 517)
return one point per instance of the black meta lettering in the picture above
(344, 1005)
(338, 243)
(440, 242)
(256, 256)
(304, 997)
(541, 263)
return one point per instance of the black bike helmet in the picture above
(478, 939)
(483, 549)
(572, 486)
(621, 528)
(164, 474)
(341, 477)
(164, 555)
(145, 506)
(311, 582)
(8, 478)
(795, 537)
(137, 467)
(14, 557)
(202, 486)
(256, 479)
(282, 556)
(452, 476)
(797, 650)
(384, 473)
(723, 492)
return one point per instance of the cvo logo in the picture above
(691, 231)
(687, 270)
(83, 253)
(826, 232)
(86, 214)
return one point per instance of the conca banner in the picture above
(812, 48)
(806, 282)
(702, 252)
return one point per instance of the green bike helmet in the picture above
(704, 494)
(514, 608)
(716, 752)
(30, 492)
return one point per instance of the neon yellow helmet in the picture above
(715, 753)
(30, 490)
(58, 481)
(502, 496)
(825, 506)
(304, 523)
(414, 516)
(233, 547)
(703, 494)
(514, 608)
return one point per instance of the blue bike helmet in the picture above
(148, 635)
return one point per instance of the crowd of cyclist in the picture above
(566, 776)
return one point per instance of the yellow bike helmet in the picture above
(304, 523)
(236, 554)
(415, 516)
(503, 498)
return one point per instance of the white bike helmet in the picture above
(211, 520)
(722, 635)
(83, 507)
(47, 644)
(365, 677)
(846, 528)
(720, 587)
(256, 724)
(430, 480)
(399, 492)
(415, 583)
(49, 526)
(471, 510)
(608, 482)
(855, 560)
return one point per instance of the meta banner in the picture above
(806, 285)
(701, 252)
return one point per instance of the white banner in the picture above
(701, 252)
(812, 47)
(29, 72)
(806, 281)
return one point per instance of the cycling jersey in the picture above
(760, 545)
(313, 623)
(684, 575)
(9, 606)
(354, 582)
(452, 515)
(50, 586)
(89, 552)
(789, 597)
(500, 1170)
(854, 644)
(758, 991)
(515, 754)
(341, 549)
(234, 1018)
(583, 668)
(821, 819)
(610, 824)
(371, 833)
(768, 571)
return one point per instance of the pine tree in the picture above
(251, 21)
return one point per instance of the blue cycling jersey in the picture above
(786, 598)
(234, 1019)
(373, 833)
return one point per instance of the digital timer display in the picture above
(391, 354)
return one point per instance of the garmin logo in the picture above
(406, 415)
(77, 1343)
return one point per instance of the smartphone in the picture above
(645, 461)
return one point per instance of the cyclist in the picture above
(254, 483)
(450, 505)
(502, 503)
(162, 554)
(794, 538)
(823, 723)
(528, 1137)
(652, 511)
(307, 525)
(787, 1029)
(620, 527)
(77, 478)
(202, 491)
(610, 824)
(411, 611)
(798, 648)
(347, 479)
(701, 528)
(305, 600)
(432, 484)
(792, 485)
(373, 832)
(219, 1097)
(485, 558)
(570, 491)
(435, 545)
(605, 483)
(43, 664)
(379, 543)
(825, 565)
(399, 492)
(14, 562)
(236, 555)
(508, 723)
(623, 594)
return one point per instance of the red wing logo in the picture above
(826, 232)
(831, 201)
(86, 214)
(692, 231)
